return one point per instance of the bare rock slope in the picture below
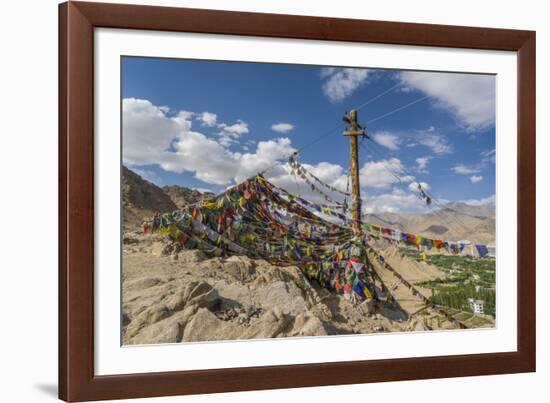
(141, 199)
(182, 196)
(171, 298)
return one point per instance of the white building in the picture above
(476, 305)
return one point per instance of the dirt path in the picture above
(408, 302)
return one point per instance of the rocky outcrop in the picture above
(173, 296)
(141, 199)
(195, 298)
(182, 196)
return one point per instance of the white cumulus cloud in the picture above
(237, 129)
(422, 164)
(230, 134)
(434, 140)
(383, 173)
(332, 174)
(469, 97)
(462, 169)
(153, 136)
(398, 200)
(476, 178)
(387, 139)
(340, 83)
(147, 131)
(208, 119)
(282, 127)
(150, 137)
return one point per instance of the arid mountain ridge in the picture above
(182, 196)
(455, 221)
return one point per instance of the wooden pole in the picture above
(353, 133)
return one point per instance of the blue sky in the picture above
(210, 124)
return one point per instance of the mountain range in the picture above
(454, 221)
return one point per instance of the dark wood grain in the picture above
(77, 21)
(300, 27)
(76, 214)
(526, 218)
(63, 320)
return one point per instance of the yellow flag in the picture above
(210, 205)
(367, 293)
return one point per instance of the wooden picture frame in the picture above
(77, 21)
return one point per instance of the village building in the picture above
(476, 305)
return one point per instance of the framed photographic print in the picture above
(255, 201)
